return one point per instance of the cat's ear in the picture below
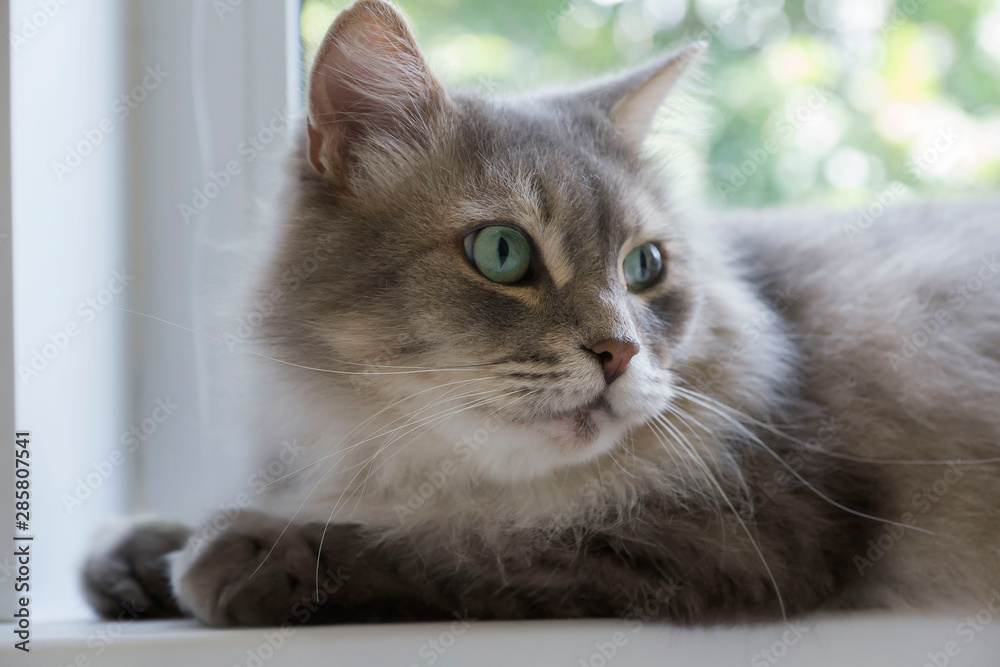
(369, 82)
(631, 99)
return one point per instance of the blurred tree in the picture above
(807, 100)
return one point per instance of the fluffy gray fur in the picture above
(811, 421)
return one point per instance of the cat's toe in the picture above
(129, 574)
(246, 576)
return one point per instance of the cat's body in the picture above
(897, 337)
(794, 383)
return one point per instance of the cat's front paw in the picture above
(246, 575)
(129, 572)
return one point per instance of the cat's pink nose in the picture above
(614, 355)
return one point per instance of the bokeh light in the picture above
(910, 90)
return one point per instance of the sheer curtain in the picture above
(123, 111)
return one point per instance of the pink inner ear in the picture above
(335, 107)
(369, 78)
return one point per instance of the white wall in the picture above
(68, 242)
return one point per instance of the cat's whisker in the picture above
(614, 459)
(292, 519)
(394, 435)
(713, 452)
(387, 435)
(756, 546)
(333, 466)
(681, 441)
(369, 419)
(381, 449)
(409, 422)
(672, 452)
(373, 470)
(444, 417)
(295, 514)
(695, 398)
(840, 455)
(686, 417)
(691, 457)
(401, 370)
(738, 473)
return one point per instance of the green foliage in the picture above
(910, 91)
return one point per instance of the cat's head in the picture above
(500, 266)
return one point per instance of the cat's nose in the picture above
(614, 355)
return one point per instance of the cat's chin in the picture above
(511, 448)
(575, 429)
(541, 446)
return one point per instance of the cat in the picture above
(524, 383)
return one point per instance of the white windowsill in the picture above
(858, 640)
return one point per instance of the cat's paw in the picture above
(246, 575)
(129, 573)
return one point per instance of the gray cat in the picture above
(530, 387)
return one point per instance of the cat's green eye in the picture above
(501, 253)
(642, 267)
